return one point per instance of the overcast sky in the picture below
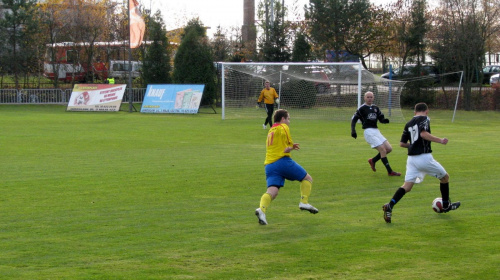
(212, 13)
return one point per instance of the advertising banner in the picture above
(173, 99)
(96, 97)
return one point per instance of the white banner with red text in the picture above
(96, 97)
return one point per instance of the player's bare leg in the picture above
(384, 150)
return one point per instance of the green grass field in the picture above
(139, 196)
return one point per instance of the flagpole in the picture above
(130, 105)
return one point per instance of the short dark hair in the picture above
(279, 114)
(421, 107)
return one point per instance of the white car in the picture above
(120, 68)
(495, 80)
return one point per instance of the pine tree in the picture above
(301, 49)
(156, 66)
(194, 62)
(17, 30)
(274, 42)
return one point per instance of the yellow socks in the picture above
(305, 191)
(265, 201)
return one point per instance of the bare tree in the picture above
(89, 26)
(54, 28)
(461, 30)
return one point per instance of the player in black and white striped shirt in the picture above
(417, 139)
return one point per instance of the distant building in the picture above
(492, 58)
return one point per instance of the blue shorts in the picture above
(284, 168)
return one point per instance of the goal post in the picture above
(317, 90)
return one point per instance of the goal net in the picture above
(331, 91)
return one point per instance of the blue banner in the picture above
(172, 99)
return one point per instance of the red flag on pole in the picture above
(137, 25)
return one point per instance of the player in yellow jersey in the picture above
(280, 166)
(268, 95)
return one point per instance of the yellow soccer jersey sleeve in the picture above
(277, 140)
(268, 96)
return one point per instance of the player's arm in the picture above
(354, 120)
(276, 97)
(429, 137)
(404, 145)
(295, 146)
(381, 118)
(261, 96)
(288, 141)
(405, 138)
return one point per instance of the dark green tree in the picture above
(274, 42)
(196, 25)
(221, 46)
(418, 30)
(410, 25)
(301, 49)
(339, 25)
(330, 23)
(419, 90)
(194, 63)
(368, 33)
(18, 28)
(156, 65)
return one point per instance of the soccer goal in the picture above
(330, 91)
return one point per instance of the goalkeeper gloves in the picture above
(385, 121)
(354, 134)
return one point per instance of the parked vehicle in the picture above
(489, 71)
(319, 75)
(69, 61)
(412, 71)
(349, 74)
(495, 81)
(120, 69)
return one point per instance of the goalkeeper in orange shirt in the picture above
(268, 95)
(280, 166)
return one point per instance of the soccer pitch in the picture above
(140, 196)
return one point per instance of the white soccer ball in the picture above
(277, 101)
(437, 205)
